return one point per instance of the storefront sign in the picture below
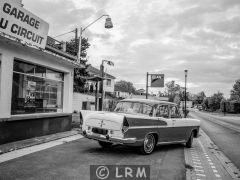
(22, 24)
(157, 80)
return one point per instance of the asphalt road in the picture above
(72, 160)
(227, 139)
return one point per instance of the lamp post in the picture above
(110, 63)
(108, 25)
(185, 106)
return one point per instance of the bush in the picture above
(231, 106)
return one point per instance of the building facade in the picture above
(36, 84)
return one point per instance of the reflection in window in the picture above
(134, 107)
(162, 111)
(33, 93)
(174, 112)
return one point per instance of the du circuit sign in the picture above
(22, 24)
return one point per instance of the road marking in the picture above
(198, 166)
(25, 151)
(199, 163)
(199, 170)
(201, 175)
(195, 159)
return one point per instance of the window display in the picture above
(36, 89)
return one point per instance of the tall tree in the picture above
(72, 48)
(215, 100)
(175, 90)
(124, 86)
(235, 92)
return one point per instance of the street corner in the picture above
(205, 161)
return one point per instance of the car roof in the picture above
(148, 101)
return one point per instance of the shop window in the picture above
(34, 90)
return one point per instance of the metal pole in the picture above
(96, 96)
(101, 87)
(79, 46)
(147, 86)
(185, 114)
(76, 35)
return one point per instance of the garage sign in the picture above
(22, 24)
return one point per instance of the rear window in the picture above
(134, 108)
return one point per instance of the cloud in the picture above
(164, 36)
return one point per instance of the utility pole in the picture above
(185, 106)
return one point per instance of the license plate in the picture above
(100, 131)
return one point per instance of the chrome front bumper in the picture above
(107, 138)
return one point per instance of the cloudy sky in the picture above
(156, 36)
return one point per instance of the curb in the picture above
(36, 141)
(232, 170)
(226, 164)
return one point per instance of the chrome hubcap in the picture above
(149, 143)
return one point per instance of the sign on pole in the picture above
(157, 80)
(22, 24)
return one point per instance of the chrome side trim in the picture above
(171, 142)
(142, 127)
(146, 127)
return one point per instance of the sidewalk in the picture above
(222, 116)
(205, 161)
(234, 120)
(8, 147)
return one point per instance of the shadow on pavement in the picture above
(128, 150)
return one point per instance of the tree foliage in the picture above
(174, 90)
(124, 86)
(213, 103)
(235, 92)
(72, 48)
(199, 98)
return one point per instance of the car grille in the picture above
(100, 131)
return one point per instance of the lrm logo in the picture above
(119, 172)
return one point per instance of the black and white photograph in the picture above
(119, 89)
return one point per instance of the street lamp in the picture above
(110, 63)
(185, 106)
(108, 25)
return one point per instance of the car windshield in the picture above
(134, 108)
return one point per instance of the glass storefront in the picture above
(36, 89)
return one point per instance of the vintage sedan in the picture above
(140, 122)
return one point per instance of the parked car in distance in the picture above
(200, 108)
(142, 123)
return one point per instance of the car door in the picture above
(180, 126)
(166, 133)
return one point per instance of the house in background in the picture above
(108, 83)
(88, 100)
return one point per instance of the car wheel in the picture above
(190, 141)
(148, 144)
(105, 144)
